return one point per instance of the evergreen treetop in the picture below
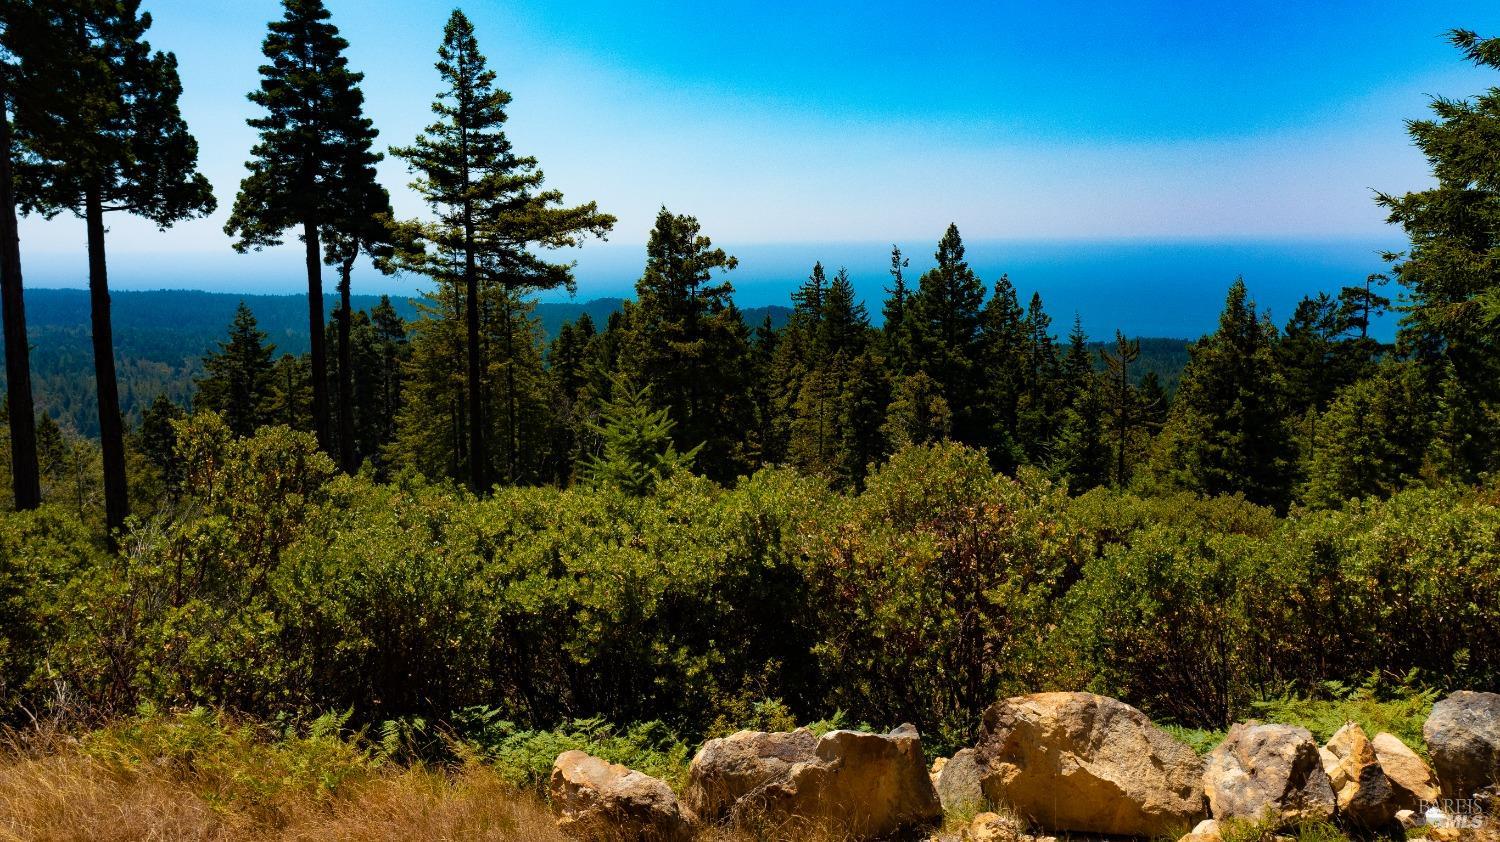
(313, 162)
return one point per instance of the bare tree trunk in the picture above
(315, 329)
(347, 459)
(26, 483)
(111, 427)
(512, 428)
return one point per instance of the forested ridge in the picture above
(161, 337)
(680, 517)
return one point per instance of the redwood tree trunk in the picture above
(26, 481)
(111, 428)
(315, 329)
(347, 459)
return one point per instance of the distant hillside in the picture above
(162, 335)
(1166, 357)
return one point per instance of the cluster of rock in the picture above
(1072, 763)
(855, 784)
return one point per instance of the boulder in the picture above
(1268, 772)
(1205, 831)
(1409, 774)
(958, 783)
(726, 769)
(1365, 795)
(1463, 739)
(1087, 763)
(859, 785)
(596, 799)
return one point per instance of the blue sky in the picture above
(824, 125)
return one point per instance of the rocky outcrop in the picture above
(596, 799)
(1365, 795)
(1087, 763)
(1463, 739)
(729, 768)
(852, 783)
(1410, 776)
(958, 783)
(1268, 772)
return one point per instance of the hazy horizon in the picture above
(1144, 287)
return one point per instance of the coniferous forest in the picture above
(445, 536)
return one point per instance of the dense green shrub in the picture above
(42, 552)
(1412, 582)
(937, 586)
(276, 588)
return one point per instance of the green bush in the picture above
(937, 588)
(42, 554)
(277, 588)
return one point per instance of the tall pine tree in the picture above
(108, 137)
(240, 382)
(1452, 271)
(686, 341)
(945, 329)
(490, 212)
(1229, 429)
(311, 168)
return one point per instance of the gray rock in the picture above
(1463, 739)
(728, 768)
(958, 784)
(1270, 772)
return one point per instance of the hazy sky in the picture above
(782, 122)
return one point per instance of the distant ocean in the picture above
(1146, 288)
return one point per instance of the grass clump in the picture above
(203, 775)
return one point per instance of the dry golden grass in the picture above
(62, 794)
(206, 777)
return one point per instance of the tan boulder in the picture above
(1087, 763)
(1330, 762)
(1409, 774)
(728, 768)
(1205, 831)
(596, 799)
(1365, 794)
(1268, 772)
(860, 785)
